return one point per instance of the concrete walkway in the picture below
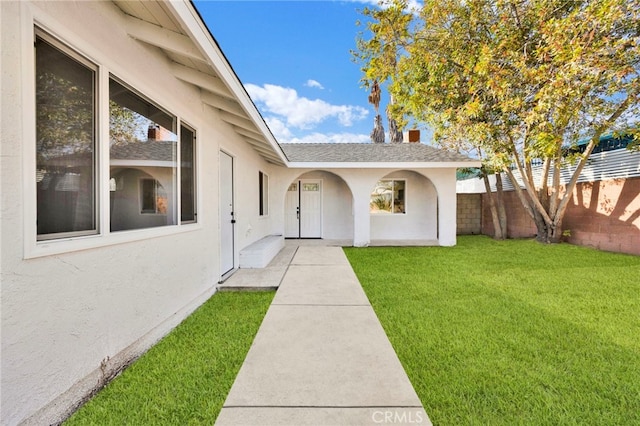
(321, 356)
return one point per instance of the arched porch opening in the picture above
(318, 204)
(404, 210)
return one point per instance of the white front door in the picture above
(227, 219)
(303, 209)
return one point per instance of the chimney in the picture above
(411, 136)
(153, 132)
(158, 133)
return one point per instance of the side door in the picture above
(227, 219)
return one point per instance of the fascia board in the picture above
(384, 165)
(185, 12)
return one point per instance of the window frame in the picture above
(194, 172)
(64, 48)
(175, 161)
(38, 22)
(393, 198)
(263, 194)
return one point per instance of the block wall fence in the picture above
(603, 214)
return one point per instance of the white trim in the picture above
(196, 174)
(32, 17)
(67, 245)
(143, 163)
(392, 213)
(383, 165)
(29, 186)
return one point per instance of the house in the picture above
(135, 169)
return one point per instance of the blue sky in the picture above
(294, 59)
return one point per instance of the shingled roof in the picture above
(145, 150)
(369, 153)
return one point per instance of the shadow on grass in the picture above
(512, 332)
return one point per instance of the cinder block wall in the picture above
(602, 214)
(519, 224)
(469, 214)
(606, 215)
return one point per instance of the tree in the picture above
(523, 80)
(380, 53)
(377, 134)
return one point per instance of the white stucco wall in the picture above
(420, 222)
(431, 204)
(68, 306)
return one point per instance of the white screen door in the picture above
(227, 219)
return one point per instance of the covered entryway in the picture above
(303, 209)
(404, 209)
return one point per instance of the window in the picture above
(314, 187)
(187, 174)
(143, 146)
(263, 186)
(153, 197)
(65, 141)
(147, 186)
(388, 197)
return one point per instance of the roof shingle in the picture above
(368, 153)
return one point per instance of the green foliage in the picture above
(488, 336)
(186, 377)
(511, 81)
(381, 203)
(125, 125)
(64, 116)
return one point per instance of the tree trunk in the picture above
(497, 229)
(502, 214)
(548, 211)
(547, 234)
(395, 135)
(377, 134)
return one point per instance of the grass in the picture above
(186, 377)
(512, 332)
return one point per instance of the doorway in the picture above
(303, 209)
(227, 218)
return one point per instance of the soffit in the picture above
(197, 61)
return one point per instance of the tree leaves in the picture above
(512, 81)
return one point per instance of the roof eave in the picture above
(192, 23)
(383, 165)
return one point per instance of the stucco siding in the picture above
(69, 314)
(419, 222)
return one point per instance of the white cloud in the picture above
(278, 128)
(329, 138)
(314, 83)
(284, 104)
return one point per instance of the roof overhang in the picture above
(383, 165)
(176, 28)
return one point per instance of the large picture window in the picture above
(142, 148)
(388, 197)
(65, 141)
(147, 186)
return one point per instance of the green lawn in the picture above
(512, 332)
(185, 378)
